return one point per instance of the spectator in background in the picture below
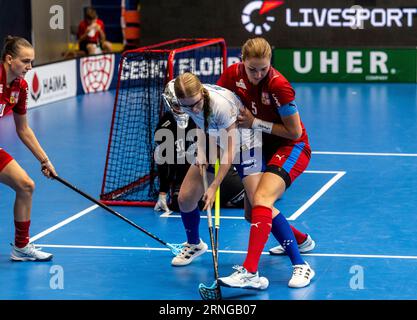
(91, 34)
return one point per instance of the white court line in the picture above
(323, 172)
(63, 223)
(372, 154)
(371, 256)
(203, 217)
(99, 247)
(338, 255)
(316, 196)
(166, 214)
(313, 199)
(300, 211)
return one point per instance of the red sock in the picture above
(299, 236)
(21, 233)
(259, 233)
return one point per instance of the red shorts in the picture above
(294, 159)
(5, 158)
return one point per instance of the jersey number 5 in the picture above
(254, 109)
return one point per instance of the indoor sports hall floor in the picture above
(357, 200)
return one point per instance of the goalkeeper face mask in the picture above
(173, 106)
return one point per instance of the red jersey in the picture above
(13, 97)
(264, 99)
(83, 27)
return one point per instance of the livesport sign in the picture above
(285, 23)
(331, 23)
(355, 17)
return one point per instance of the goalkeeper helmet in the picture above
(173, 105)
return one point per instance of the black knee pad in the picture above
(173, 205)
(280, 172)
(232, 192)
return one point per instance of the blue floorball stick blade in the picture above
(210, 293)
(175, 248)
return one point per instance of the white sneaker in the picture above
(301, 276)
(189, 253)
(161, 205)
(241, 278)
(304, 247)
(29, 253)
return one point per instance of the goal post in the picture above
(130, 173)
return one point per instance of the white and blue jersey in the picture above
(224, 110)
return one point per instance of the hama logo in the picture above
(97, 73)
(35, 91)
(254, 16)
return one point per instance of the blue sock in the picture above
(191, 221)
(282, 232)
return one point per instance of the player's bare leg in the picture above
(16, 178)
(250, 183)
(271, 188)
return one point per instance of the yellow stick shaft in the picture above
(217, 204)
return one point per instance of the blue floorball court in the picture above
(357, 200)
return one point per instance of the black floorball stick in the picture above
(175, 248)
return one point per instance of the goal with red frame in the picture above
(130, 174)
